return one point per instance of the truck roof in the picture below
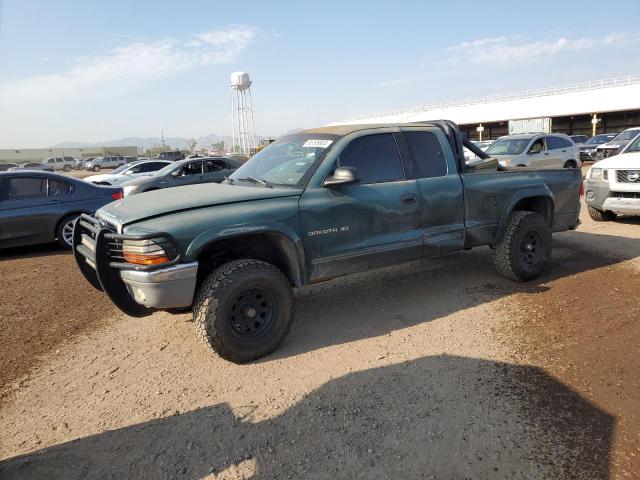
(342, 130)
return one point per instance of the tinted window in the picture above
(152, 166)
(375, 157)
(192, 168)
(25, 187)
(59, 160)
(57, 188)
(428, 156)
(215, 165)
(554, 143)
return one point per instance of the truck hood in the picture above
(170, 200)
(624, 161)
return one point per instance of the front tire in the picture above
(524, 251)
(64, 230)
(243, 310)
(96, 168)
(570, 164)
(66, 168)
(601, 215)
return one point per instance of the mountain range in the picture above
(149, 142)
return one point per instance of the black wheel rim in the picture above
(252, 314)
(531, 249)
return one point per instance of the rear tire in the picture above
(524, 251)
(64, 230)
(601, 215)
(243, 310)
(66, 168)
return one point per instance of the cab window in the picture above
(428, 157)
(375, 157)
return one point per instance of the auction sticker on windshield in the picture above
(317, 143)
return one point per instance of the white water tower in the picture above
(244, 133)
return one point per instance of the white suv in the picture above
(99, 163)
(613, 185)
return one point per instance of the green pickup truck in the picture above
(310, 207)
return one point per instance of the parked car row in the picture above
(40, 207)
(536, 150)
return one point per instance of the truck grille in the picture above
(89, 227)
(628, 176)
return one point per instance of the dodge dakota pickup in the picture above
(310, 207)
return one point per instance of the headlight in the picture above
(146, 252)
(128, 189)
(595, 174)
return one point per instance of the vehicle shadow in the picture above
(33, 251)
(435, 417)
(376, 303)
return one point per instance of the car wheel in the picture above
(244, 310)
(96, 168)
(66, 168)
(524, 251)
(64, 231)
(570, 164)
(601, 215)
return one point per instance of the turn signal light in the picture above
(581, 189)
(144, 252)
(117, 195)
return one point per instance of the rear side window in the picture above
(215, 165)
(152, 166)
(22, 188)
(58, 189)
(192, 168)
(375, 157)
(554, 143)
(428, 157)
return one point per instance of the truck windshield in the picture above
(289, 161)
(633, 146)
(627, 135)
(599, 139)
(508, 146)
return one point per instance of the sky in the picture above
(95, 71)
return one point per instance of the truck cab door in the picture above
(371, 223)
(440, 191)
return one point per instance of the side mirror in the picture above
(342, 176)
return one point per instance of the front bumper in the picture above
(136, 290)
(622, 206)
(170, 287)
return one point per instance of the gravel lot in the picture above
(438, 369)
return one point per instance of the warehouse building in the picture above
(39, 154)
(586, 108)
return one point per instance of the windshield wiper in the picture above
(259, 181)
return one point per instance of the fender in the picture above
(542, 191)
(290, 241)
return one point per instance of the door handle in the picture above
(54, 201)
(408, 199)
(546, 153)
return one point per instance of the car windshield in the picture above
(289, 161)
(508, 146)
(633, 146)
(628, 135)
(599, 139)
(121, 169)
(168, 169)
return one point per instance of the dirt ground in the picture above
(438, 369)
